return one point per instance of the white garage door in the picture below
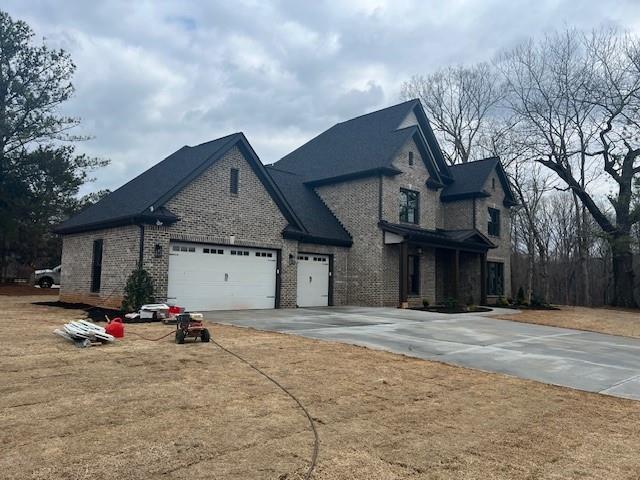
(313, 280)
(216, 277)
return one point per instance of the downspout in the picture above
(380, 197)
(474, 213)
(141, 254)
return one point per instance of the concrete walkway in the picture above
(586, 361)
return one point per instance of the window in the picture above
(495, 278)
(96, 266)
(494, 222)
(410, 158)
(414, 275)
(409, 206)
(235, 177)
(493, 183)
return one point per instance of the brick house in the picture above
(366, 213)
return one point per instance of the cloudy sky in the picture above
(155, 75)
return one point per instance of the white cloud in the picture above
(154, 75)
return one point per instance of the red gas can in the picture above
(115, 327)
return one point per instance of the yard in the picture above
(603, 320)
(146, 410)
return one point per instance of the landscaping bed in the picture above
(445, 309)
(149, 410)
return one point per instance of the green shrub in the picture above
(425, 302)
(520, 296)
(501, 302)
(451, 303)
(138, 291)
(537, 302)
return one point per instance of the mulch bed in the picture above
(529, 307)
(96, 314)
(454, 310)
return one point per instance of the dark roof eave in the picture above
(308, 238)
(463, 196)
(427, 239)
(386, 171)
(148, 219)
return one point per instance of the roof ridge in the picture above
(495, 157)
(214, 140)
(277, 169)
(414, 100)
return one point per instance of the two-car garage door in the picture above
(216, 277)
(226, 277)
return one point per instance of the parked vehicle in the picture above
(48, 277)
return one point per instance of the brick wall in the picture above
(413, 177)
(501, 254)
(456, 215)
(120, 254)
(355, 203)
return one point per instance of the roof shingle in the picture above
(364, 143)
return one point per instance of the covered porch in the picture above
(457, 264)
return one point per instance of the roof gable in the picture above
(365, 145)
(142, 199)
(469, 180)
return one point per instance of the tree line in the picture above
(562, 112)
(40, 173)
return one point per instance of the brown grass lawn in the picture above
(143, 410)
(603, 320)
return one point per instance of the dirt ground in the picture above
(23, 289)
(150, 410)
(603, 320)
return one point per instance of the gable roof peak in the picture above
(382, 110)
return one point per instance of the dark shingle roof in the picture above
(470, 239)
(315, 216)
(133, 199)
(469, 178)
(361, 144)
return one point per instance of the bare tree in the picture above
(459, 101)
(577, 99)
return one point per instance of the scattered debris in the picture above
(152, 312)
(84, 334)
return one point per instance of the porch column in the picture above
(456, 275)
(483, 278)
(404, 274)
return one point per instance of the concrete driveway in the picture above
(586, 361)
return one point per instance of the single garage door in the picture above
(313, 280)
(217, 277)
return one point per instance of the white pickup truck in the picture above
(48, 277)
